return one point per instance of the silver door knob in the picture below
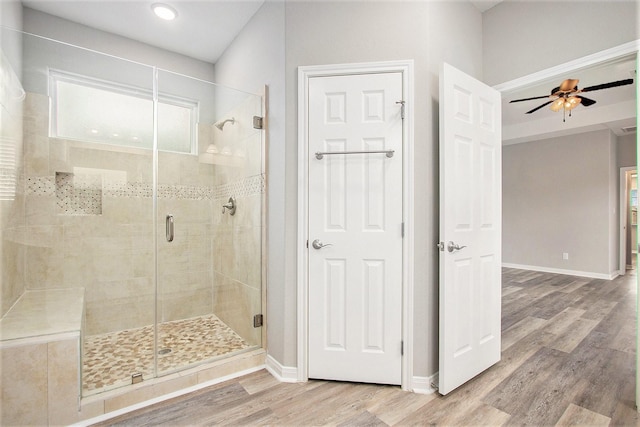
(317, 244)
(454, 247)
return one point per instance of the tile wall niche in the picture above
(88, 223)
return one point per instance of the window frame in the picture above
(55, 75)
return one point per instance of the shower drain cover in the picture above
(164, 351)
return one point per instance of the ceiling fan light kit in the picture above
(566, 96)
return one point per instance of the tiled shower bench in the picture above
(40, 339)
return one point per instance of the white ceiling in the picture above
(615, 108)
(483, 5)
(202, 30)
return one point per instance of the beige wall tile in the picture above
(23, 398)
(146, 392)
(63, 381)
(235, 304)
(44, 268)
(228, 367)
(186, 304)
(90, 409)
(39, 210)
(12, 259)
(118, 314)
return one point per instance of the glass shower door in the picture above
(209, 261)
(88, 156)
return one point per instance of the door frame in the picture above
(304, 74)
(629, 48)
(622, 195)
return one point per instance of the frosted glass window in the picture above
(108, 113)
(7, 167)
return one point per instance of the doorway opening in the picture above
(628, 218)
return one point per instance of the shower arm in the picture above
(220, 124)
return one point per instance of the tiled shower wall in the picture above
(88, 212)
(12, 230)
(237, 246)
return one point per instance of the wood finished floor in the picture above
(568, 359)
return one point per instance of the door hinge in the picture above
(307, 243)
(402, 106)
(401, 348)
(136, 378)
(258, 122)
(402, 230)
(257, 320)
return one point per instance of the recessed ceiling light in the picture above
(163, 11)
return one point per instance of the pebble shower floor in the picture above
(110, 359)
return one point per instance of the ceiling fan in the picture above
(566, 96)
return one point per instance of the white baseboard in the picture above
(284, 374)
(588, 274)
(422, 385)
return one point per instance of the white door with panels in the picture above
(355, 227)
(470, 228)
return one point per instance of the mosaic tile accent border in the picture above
(47, 186)
(41, 185)
(247, 187)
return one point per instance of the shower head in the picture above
(220, 124)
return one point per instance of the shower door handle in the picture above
(169, 227)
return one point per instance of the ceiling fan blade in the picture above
(568, 85)
(529, 99)
(608, 85)
(539, 107)
(586, 101)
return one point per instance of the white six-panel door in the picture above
(355, 211)
(470, 228)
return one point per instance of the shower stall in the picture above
(132, 216)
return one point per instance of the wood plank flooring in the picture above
(568, 359)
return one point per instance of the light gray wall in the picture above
(522, 37)
(11, 14)
(255, 58)
(46, 25)
(627, 151)
(11, 18)
(348, 32)
(559, 195)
